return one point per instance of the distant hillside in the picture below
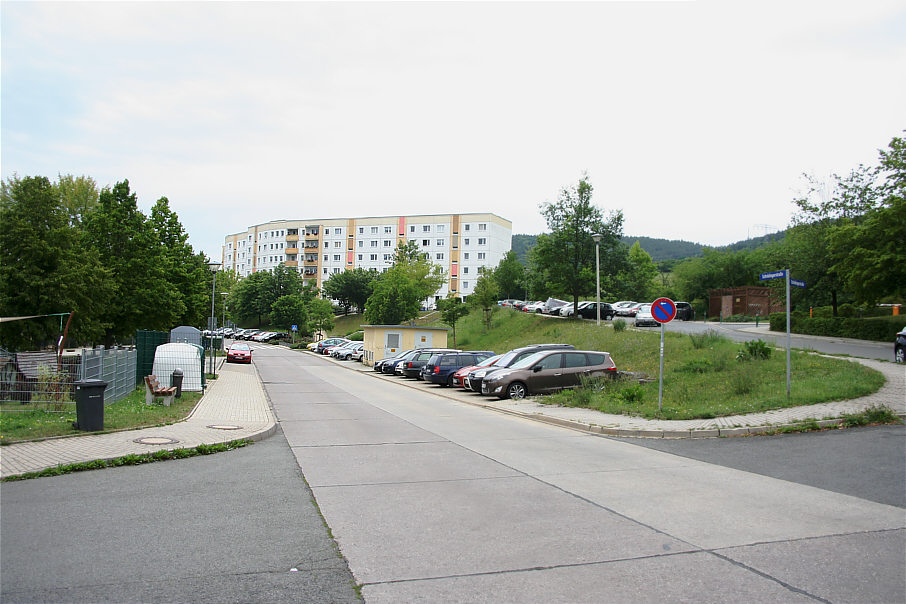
(659, 249)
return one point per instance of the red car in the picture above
(460, 375)
(239, 353)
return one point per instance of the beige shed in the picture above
(382, 341)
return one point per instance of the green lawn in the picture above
(702, 376)
(20, 422)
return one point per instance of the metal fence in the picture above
(37, 380)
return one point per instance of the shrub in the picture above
(742, 382)
(697, 366)
(754, 350)
(619, 325)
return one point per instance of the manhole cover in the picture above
(224, 427)
(155, 440)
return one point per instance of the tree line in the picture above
(66, 246)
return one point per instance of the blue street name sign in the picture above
(797, 283)
(772, 275)
(295, 328)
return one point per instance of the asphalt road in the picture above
(220, 528)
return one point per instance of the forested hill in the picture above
(659, 249)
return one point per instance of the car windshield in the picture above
(239, 347)
(529, 360)
(490, 360)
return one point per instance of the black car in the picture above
(379, 365)
(473, 380)
(590, 311)
(684, 311)
(440, 367)
(899, 347)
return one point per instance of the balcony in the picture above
(292, 263)
(290, 238)
(292, 250)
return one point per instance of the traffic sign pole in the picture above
(788, 376)
(663, 310)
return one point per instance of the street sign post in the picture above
(663, 310)
(785, 274)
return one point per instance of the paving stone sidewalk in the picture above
(234, 407)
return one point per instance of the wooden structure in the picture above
(749, 300)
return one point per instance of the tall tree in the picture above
(567, 255)
(510, 275)
(44, 268)
(249, 298)
(452, 310)
(320, 314)
(350, 288)
(484, 296)
(185, 270)
(127, 245)
(641, 274)
(396, 298)
(79, 195)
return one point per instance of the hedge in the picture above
(878, 329)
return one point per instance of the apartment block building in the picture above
(319, 248)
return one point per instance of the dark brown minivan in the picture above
(547, 371)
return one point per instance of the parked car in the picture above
(622, 308)
(343, 351)
(413, 367)
(644, 316)
(358, 354)
(533, 307)
(397, 367)
(552, 304)
(590, 311)
(239, 352)
(547, 371)
(568, 310)
(509, 302)
(459, 377)
(474, 379)
(441, 366)
(379, 365)
(520, 304)
(684, 311)
(899, 347)
(323, 345)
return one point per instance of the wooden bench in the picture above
(153, 390)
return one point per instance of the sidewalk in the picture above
(236, 407)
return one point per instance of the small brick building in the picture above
(750, 300)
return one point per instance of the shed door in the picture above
(392, 341)
(423, 339)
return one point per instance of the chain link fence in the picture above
(38, 380)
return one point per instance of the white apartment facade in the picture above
(460, 243)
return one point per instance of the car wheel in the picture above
(515, 391)
(900, 355)
(449, 383)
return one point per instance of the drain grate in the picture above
(224, 427)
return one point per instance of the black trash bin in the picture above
(176, 381)
(90, 405)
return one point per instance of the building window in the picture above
(373, 257)
(465, 285)
(337, 232)
(388, 229)
(467, 227)
(439, 256)
(465, 241)
(326, 257)
(440, 242)
(465, 270)
(387, 242)
(336, 271)
(481, 255)
(426, 242)
(482, 227)
(325, 270)
(361, 243)
(388, 257)
(426, 228)
(465, 256)
(374, 244)
(326, 244)
(336, 257)
(374, 229)
(360, 257)
(412, 228)
(482, 241)
(361, 230)
(440, 228)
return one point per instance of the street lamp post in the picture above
(223, 323)
(597, 237)
(214, 266)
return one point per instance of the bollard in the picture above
(176, 380)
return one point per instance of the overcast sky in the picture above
(695, 119)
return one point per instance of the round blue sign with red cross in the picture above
(663, 310)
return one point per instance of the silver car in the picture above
(547, 371)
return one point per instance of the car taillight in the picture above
(409, 365)
(611, 369)
(436, 369)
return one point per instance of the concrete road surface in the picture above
(431, 500)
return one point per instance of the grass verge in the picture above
(705, 375)
(132, 460)
(19, 422)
